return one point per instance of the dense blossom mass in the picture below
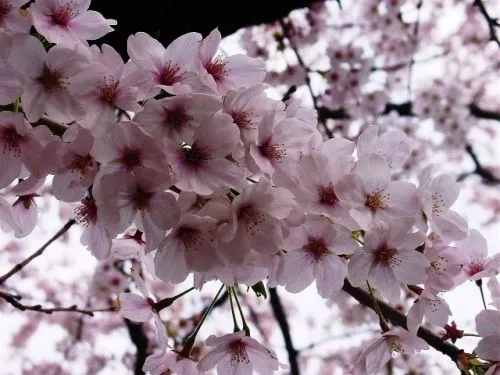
(180, 165)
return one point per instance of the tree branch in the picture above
(399, 319)
(14, 301)
(487, 176)
(492, 23)
(279, 314)
(18, 267)
(141, 342)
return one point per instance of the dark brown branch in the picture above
(279, 314)
(397, 318)
(141, 342)
(14, 300)
(18, 267)
(492, 23)
(486, 175)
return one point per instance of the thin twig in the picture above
(14, 300)
(293, 46)
(18, 267)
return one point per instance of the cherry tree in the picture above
(328, 156)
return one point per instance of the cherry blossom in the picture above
(67, 22)
(141, 198)
(387, 258)
(372, 195)
(390, 344)
(174, 69)
(47, 79)
(236, 353)
(436, 195)
(313, 253)
(476, 263)
(434, 308)
(202, 166)
(488, 327)
(222, 74)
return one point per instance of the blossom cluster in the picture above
(219, 181)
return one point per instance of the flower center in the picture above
(52, 80)
(374, 201)
(316, 247)
(190, 237)
(252, 217)
(327, 195)
(62, 15)
(384, 255)
(176, 117)
(81, 163)
(131, 158)
(141, 198)
(195, 156)
(86, 213)
(11, 139)
(394, 345)
(4, 10)
(243, 120)
(474, 267)
(217, 68)
(107, 93)
(275, 152)
(238, 353)
(170, 74)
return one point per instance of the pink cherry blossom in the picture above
(477, 264)
(67, 22)
(18, 145)
(255, 222)
(48, 77)
(174, 69)
(388, 258)
(247, 108)
(433, 308)
(202, 166)
(372, 195)
(95, 235)
(11, 86)
(318, 175)
(222, 74)
(163, 361)
(126, 147)
(106, 84)
(190, 246)
(488, 327)
(177, 117)
(25, 215)
(123, 198)
(445, 266)
(313, 254)
(392, 343)
(392, 145)
(78, 168)
(13, 19)
(238, 354)
(436, 195)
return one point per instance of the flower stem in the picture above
(235, 323)
(192, 337)
(383, 323)
(245, 325)
(166, 302)
(479, 283)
